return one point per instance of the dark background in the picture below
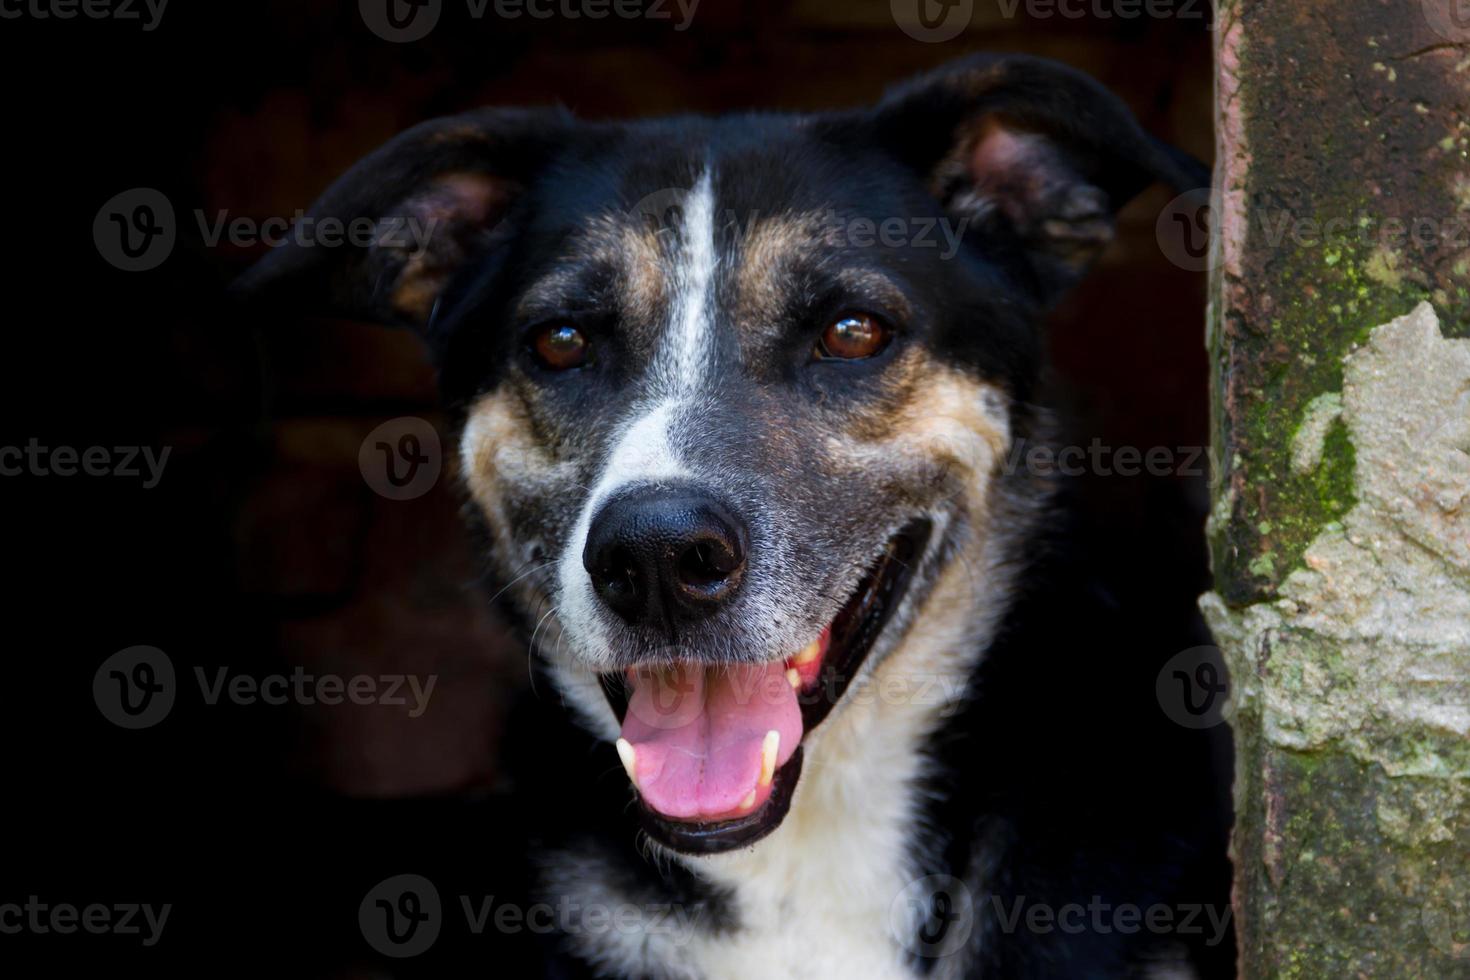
(263, 548)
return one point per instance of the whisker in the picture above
(541, 567)
(531, 647)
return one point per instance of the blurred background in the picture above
(263, 548)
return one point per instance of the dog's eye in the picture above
(853, 336)
(561, 346)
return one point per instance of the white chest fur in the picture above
(815, 898)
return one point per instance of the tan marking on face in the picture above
(769, 248)
(940, 421)
(630, 245)
(501, 457)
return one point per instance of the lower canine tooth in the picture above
(769, 748)
(749, 801)
(793, 677)
(629, 756)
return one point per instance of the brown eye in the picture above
(561, 347)
(853, 336)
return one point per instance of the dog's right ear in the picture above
(1037, 155)
(414, 212)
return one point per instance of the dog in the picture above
(820, 675)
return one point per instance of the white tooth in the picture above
(810, 652)
(793, 676)
(749, 801)
(629, 756)
(769, 748)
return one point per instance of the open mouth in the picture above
(715, 750)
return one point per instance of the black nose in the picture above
(659, 556)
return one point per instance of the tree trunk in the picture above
(1341, 529)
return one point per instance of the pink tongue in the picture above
(698, 731)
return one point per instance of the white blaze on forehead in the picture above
(643, 451)
(684, 355)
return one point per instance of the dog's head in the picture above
(736, 393)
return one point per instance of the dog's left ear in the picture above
(1038, 156)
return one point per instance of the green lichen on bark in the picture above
(1335, 170)
(1330, 307)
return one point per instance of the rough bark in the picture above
(1341, 531)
